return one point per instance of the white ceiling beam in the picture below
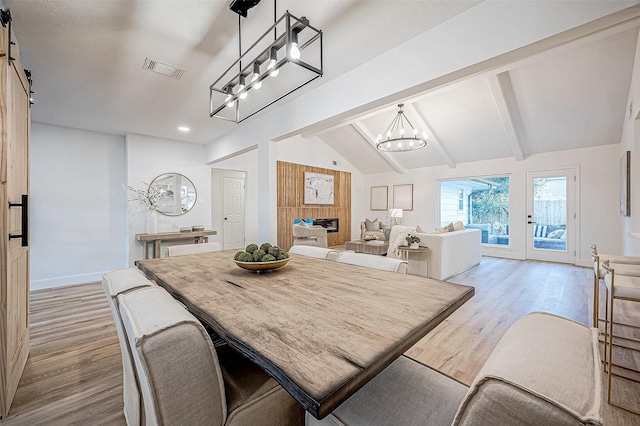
(504, 96)
(367, 136)
(319, 129)
(433, 137)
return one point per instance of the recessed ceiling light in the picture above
(183, 128)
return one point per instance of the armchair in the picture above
(376, 228)
(314, 235)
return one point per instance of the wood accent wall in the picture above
(290, 178)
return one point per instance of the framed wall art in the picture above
(625, 184)
(379, 198)
(318, 188)
(403, 197)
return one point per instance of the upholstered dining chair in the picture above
(186, 381)
(544, 371)
(185, 249)
(314, 235)
(618, 287)
(114, 284)
(317, 252)
(376, 262)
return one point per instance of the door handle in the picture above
(25, 220)
(530, 222)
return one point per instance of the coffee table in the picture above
(362, 246)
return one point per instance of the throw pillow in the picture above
(420, 230)
(371, 225)
(303, 223)
(558, 233)
(450, 227)
(440, 230)
(458, 226)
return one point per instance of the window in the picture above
(481, 203)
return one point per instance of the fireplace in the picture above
(331, 224)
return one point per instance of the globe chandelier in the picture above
(400, 137)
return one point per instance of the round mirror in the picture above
(178, 194)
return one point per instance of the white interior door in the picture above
(233, 210)
(551, 215)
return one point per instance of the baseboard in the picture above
(64, 281)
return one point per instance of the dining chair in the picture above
(185, 380)
(316, 252)
(185, 249)
(114, 284)
(620, 287)
(373, 261)
(544, 371)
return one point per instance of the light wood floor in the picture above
(73, 375)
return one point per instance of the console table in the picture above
(156, 240)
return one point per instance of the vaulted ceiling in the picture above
(572, 97)
(87, 60)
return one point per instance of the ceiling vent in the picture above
(162, 68)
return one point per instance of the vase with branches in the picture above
(150, 197)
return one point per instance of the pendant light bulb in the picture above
(256, 74)
(242, 93)
(230, 103)
(273, 58)
(294, 50)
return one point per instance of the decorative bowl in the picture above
(262, 266)
(196, 228)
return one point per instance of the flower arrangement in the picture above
(150, 197)
(411, 239)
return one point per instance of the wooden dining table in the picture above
(322, 329)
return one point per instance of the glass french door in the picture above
(551, 215)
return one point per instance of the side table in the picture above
(418, 260)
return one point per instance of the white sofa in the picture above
(451, 252)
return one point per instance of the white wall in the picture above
(78, 217)
(631, 142)
(148, 157)
(597, 196)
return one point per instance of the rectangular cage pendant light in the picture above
(285, 58)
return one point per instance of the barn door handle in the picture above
(25, 220)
